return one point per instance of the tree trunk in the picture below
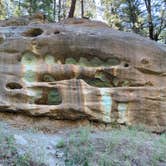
(30, 8)
(156, 36)
(59, 11)
(19, 5)
(64, 9)
(82, 8)
(133, 16)
(54, 16)
(150, 21)
(72, 9)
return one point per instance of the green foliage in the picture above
(23, 160)
(138, 127)
(135, 16)
(145, 17)
(9, 154)
(3, 10)
(78, 149)
(54, 97)
(10, 151)
(128, 146)
(53, 9)
(82, 135)
(60, 144)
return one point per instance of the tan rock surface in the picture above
(84, 70)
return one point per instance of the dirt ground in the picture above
(85, 146)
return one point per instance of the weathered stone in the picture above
(82, 70)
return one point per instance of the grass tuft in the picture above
(129, 146)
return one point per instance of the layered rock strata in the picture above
(82, 70)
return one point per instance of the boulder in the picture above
(82, 70)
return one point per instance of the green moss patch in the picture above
(93, 62)
(30, 76)
(29, 59)
(49, 59)
(70, 61)
(48, 78)
(54, 98)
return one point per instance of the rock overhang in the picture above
(73, 72)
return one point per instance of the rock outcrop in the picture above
(82, 70)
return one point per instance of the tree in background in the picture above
(54, 10)
(145, 17)
(89, 10)
(131, 15)
(155, 18)
(112, 13)
(3, 13)
(59, 10)
(31, 6)
(82, 8)
(72, 9)
(16, 7)
(46, 7)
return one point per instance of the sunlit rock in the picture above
(75, 71)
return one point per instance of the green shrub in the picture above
(60, 144)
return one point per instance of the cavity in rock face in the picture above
(13, 85)
(60, 72)
(54, 97)
(32, 32)
(49, 97)
(48, 78)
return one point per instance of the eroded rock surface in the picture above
(82, 70)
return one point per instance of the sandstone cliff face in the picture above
(82, 70)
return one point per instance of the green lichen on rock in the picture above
(98, 83)
(30, 76)
(70, 61)
(49, 59)
(126, 83)
(95, 62)
(84, 62)
(101, 76)
(112, 62)
(54, 98)
(122, 109)
(29, 59)
(48, 78)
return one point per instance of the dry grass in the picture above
(131, 146)
(9, 155)
(134, 146)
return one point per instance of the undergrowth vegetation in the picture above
(133, 146)
(9, 152)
